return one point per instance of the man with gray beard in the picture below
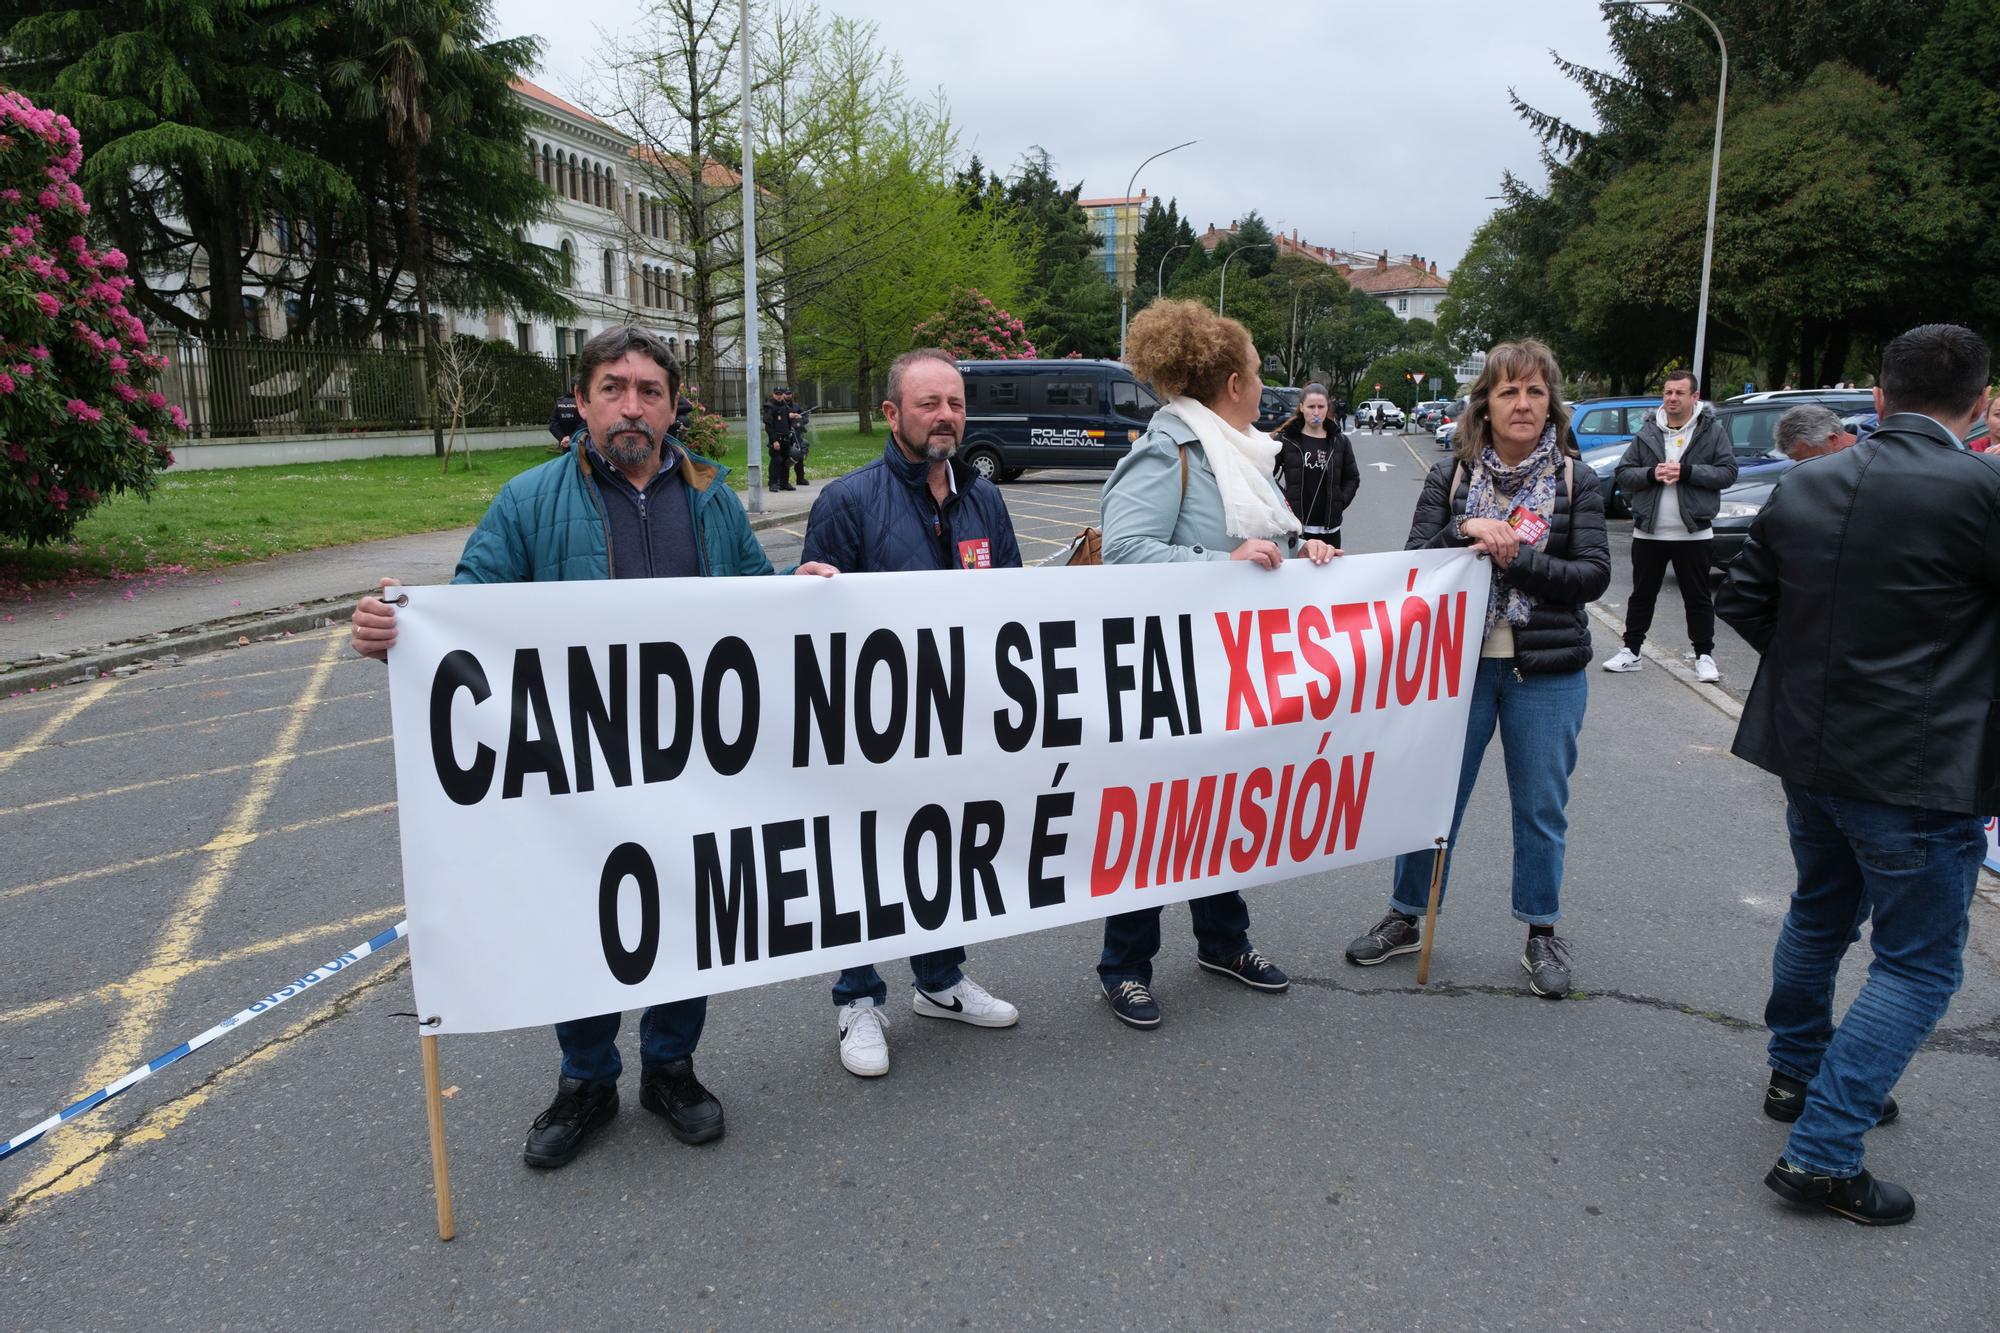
(626, 501)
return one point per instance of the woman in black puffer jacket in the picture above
(1512, 493)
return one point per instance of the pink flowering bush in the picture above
(972, 328)
(80, 420)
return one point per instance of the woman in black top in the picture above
(1316, 467)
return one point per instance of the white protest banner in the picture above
(1993, 844)
(615, 794)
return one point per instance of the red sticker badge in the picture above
(1529, 526)
(975, 554)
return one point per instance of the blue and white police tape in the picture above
(187, 1048)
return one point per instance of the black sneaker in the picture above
(1393, 934)
(1251, 968)
(579, 1110)
(1133, 1003)
(1547, 962)
(1786, 1097)
(672, 1092)
(1862, 1198)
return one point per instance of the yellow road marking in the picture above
(161, 858)
(76, 1159)
(41, 734)
(84, 1165)
(41, 744)
(149, 783)
(113, 991)
(148, 684)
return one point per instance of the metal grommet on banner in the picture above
(402, 599)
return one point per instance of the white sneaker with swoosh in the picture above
(864, 1041)
(966, 1002)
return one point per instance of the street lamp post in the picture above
(1160, 278)
(1714, 176)
(753, 387)
(1222, 292)
(1125, 292)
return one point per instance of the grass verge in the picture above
(226, 516)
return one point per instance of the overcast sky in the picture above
(1361, 125)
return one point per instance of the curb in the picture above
(168, 647)
(1720, 699)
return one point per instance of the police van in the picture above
(1061, 414)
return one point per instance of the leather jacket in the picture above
(1870, 582)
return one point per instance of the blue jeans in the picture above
(1539, 717)
(666, 1032)
(1914, 872)
(1131, 939)
(935, 972)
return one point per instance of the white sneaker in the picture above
(1705, 669)
(1624, 660)
(864, 1039)
(968, 1003)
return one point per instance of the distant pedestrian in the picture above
(565, 421)
(1510, 493)
(1197, 486)
(1991, 439)
(1870, 582)
(784, 431)
(1811, 431)
(1316, 466)
(1673, 475)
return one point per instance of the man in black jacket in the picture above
(1871, 584)
(917, 507)
(1673, 474)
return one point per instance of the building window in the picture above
(548, 168)
(610, 190)
(610, 276)
(1402, 305)
(568, 264)
(524, 337)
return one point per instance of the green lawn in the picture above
(200, 520)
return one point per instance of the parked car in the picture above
(1377, 413)
(1429, 415)
(1603, 464)
(1070, 413)
(1595, 422)
(1446, 433)
(1274, 405)
(1741, 504)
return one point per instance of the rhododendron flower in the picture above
(83, 411)
(125, 391)
(50, 306)
(178, 417)
(156, 400)
(6, 382)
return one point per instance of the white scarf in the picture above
(1241, 461)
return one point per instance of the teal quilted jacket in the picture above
(548, 525)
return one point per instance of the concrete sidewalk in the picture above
(62, 634)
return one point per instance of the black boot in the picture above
(1785, 1098)
(672, 1092)
(579, 1110)
(1862, 1198)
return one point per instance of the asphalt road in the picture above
(1356, 1153)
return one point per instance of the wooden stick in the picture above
(434, 1109)
(1431, 916)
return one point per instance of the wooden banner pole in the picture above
(434, 1111)
(1431, 916)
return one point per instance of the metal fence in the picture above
(255, 386)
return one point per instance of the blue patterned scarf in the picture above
(1496, 491)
